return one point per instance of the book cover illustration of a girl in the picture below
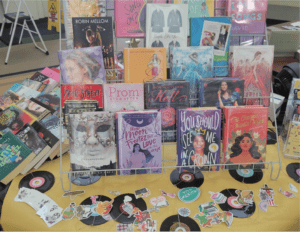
(139, 158)
(154, 69)
(226, 97)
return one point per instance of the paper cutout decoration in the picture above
(189, 194)
(159, 201)
(116, 193)
(287, 193)
(293, 188)
(140, 217)
(148, 226)
(266, 194)
(208, 208)
(103, 208)
(245, 197)
(69, 212)
(263, 205)
(219, 198)
(143, 192)
(172, 195)
(184, 212)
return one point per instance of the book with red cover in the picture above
(245, 137)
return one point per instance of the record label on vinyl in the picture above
(293, 170)
(245, 172)
(179, 223)
(186, 179)
(39, 180)
(247, 176)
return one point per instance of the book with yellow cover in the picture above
(145, 64)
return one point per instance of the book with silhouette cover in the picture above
(199, 137)
(245, 137)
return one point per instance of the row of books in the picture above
(138, 139)
(29, 125)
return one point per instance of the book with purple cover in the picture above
(139, 142)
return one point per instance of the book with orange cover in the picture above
(145, 64)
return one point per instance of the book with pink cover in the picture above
(123, 97)
(51, 73)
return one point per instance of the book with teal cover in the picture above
(12, 153)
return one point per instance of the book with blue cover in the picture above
(213, 31)
(193, 64)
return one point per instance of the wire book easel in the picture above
(164, 166)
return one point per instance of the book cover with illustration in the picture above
(254, 64)
(213, 31)
(93, 32)
(199, 137)
(221, 92)
(51, 74)
(139, 142)
(8, 98)
(167, 26)
(22, 91)
(82, 66)
(52, 124)
(49, 101)
(14, 118)
(33, 108)
(123, 96)
(50, 82)
(292, 144)
(193, 64)
(80, 8)
(14, 157)
(35, 85)
(245, 137)
(130, 17)
(45, 134)
(144, 64)
(167, 97)
(92, 142)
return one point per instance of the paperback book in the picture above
(49, 99)
(8, 98)
(82, 66)
(151, 64)
(51, 74)
(23, 91)
(167, 97)
(123, 97)
(139, 142)
(254, 64)
(220, 7)
(193, 64)
(35, 85)
(92, 143)
(52, 124)
(199, 137)
(51, 83)
(33, 108)
(93, 32)
(245, 137)
(14, 157)
(213, 31)
(221, 92)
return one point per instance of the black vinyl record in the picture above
(231, 205)
(180, 223)
(39, 180)
(247, 176)
(186, 179)
(293, 170)
(117, 212)
(95, 219)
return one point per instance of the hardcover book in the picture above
(213, 31)
(92, 142)
(221, 92)
(51, 83)
(151, 64)
(8, 98)
(199, 137)
(33, 108)
(139, 142)
(14, 118)
(254, 64)
(123, 97)
(23, 91)
(82, 66)
(167, 26)
(35, 143)
(96, 31)
(14, 157)
(167, 97)
(35, 85)
(130, 17)
(193, 64)
(245, 137)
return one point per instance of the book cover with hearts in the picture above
(14, 118)
(167, 96)
(139, 142)
(199, 137)
(221, 92)
(130, 17)
(245, 137)
(92, 142)
(96, 31)
(123, 97)
(254, 64)
(193, 64)
(144, 64)
(213, 31)
(82, 66)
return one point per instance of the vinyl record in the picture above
(293, 170)
(179, 223)
(231, 205)
(39, 180)
(95, 219)
(117, 212)
(84, 180)
(186, 179)
(247, 176)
